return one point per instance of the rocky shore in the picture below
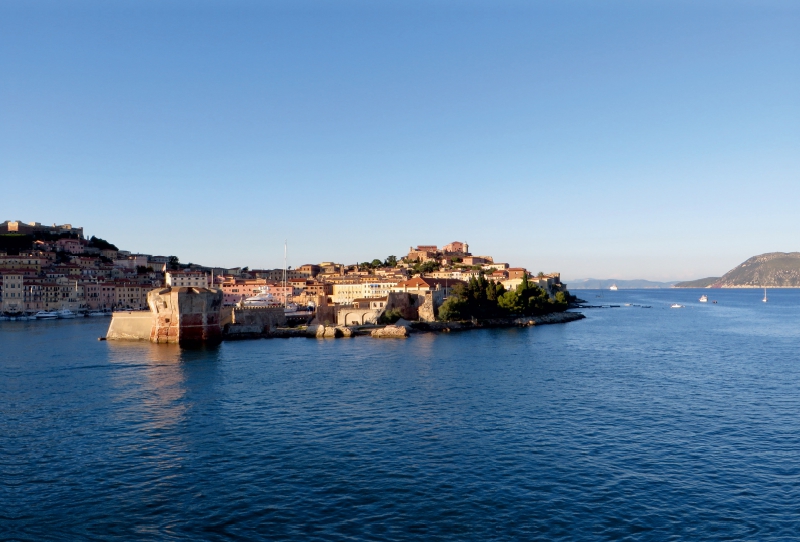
(404, 329)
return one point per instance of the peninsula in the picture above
(54, 271)
(770, 270)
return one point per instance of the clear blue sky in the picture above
(630, 139)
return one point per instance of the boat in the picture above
(92, 314)
(613, 288)
(703, 299)
(676, 306)
(262, 299)
(765, 296)
(46, 315)
(65, 314)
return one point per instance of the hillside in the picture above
(699, 283)
(771, 270)
(605, 284)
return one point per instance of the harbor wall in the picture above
(130, 326)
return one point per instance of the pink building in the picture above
(73, 246)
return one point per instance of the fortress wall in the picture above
(131, 326)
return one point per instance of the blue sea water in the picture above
(633, 424)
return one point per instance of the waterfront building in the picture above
(12, 293)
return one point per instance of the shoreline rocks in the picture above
(402, 330)
(390, 332)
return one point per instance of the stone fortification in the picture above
(177, 315)
(185, 315)
(251, 322)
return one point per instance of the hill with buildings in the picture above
(770, 270)
(605, 284)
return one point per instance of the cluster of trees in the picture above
(390, 261)
(481, 298)
(102, 244)
(427, 267)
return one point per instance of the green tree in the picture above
(453, 308)
(391, 261)
(376, 263)
(173, 263)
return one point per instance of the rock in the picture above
(315, 330)
(390, 332)
(330, 332)
(346, 331)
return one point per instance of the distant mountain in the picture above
(605, 284)
(771, 270)
(699, 283)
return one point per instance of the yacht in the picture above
(676, 306)
(613, 288)
(46, 315)
(703, 299)
(65, 313)
(262, 299)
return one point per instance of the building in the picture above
(361, 289)
(12, 292)
(73, 246)
(456, 247)
(440, 288)
(310, 270)
(32, 228)
(190, 279)
(23, 262)
(422, 253)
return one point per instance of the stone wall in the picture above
(185, 315)
(253, 320)
(348, 316)
(130, 326)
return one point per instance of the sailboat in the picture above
(765, 296)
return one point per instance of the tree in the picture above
(376, 263)
(173, 263)
(390, 261)
(453, 308)
(102, 244)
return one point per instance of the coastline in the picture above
(402, 331)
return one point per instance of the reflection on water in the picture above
(634, 424)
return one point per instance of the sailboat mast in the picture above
(285, 242)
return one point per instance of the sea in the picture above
(640, 422)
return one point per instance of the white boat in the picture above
(65, 313)
(613, 288)
(262, 299)
(46, 315)
(765, 296)
(676, 306)
(703, 299)
(93, 314)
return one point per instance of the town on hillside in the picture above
(55, 270)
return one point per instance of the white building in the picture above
(347, 293)
(188, 279)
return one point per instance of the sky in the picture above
(621, 139)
